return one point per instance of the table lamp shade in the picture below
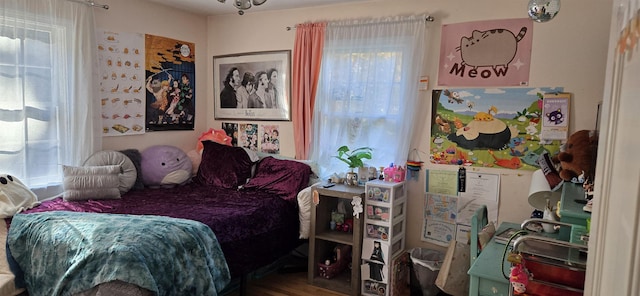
(540, 192)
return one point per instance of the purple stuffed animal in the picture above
(165, 166)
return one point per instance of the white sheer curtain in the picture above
(368, 90)
(48, 114)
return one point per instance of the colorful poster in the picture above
(120, 57)
(170, 84)
(492, 127)
(486, 53)
(555, 119)
(248, 136)
(270, 139)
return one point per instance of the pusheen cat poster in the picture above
(490, 127)
(486, 53)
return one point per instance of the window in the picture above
(28, 106)
(46, 109)
(367, 92)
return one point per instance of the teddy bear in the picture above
(578, 158)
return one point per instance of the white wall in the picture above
(569, 51)
(149, 18)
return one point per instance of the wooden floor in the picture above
(287, 284)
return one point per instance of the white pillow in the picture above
(304, 210)
(127, 173)
(91, 182)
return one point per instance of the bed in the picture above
(254, 224)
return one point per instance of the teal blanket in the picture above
(62, 253)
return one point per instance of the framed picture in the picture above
(555, 116)
(252, 86)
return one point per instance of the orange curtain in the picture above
(307, 57)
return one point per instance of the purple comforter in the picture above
(254, 228)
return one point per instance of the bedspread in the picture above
(254, 228)
(96, 248)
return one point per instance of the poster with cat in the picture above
(486, 53)
(555, 116)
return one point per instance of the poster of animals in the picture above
(170, 84)
(486, 53)
(490, 127)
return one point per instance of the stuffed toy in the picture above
(165, 166)
(14, 196)
(519, 278)
(519, 275)
(215, 135)
(577, 160)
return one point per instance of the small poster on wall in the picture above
(231, 129)
(248, 136)
(270, 139)
(121, 59)
(555, 122)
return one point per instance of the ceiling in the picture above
(213, 7)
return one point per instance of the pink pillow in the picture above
(223, 166)
(280, 176)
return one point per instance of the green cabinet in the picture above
(570, 210)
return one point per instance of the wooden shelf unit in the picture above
(322, 240)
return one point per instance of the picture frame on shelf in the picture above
(252, 86)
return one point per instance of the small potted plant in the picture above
(353, 158)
